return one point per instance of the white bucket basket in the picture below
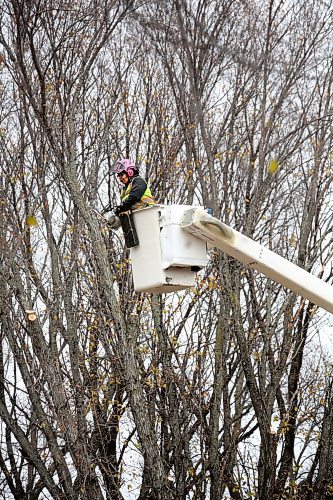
(167, 257)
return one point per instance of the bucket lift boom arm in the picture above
(199, 223)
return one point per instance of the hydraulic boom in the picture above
(198, 222)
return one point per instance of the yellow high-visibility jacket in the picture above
(136, 195)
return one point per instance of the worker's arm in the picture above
(139, 186)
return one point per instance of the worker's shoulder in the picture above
(138, 180)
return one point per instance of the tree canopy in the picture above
(220, 391)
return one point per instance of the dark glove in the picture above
(117, 210)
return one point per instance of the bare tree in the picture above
(202, 394)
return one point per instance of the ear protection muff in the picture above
(130, 172)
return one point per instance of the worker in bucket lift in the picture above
(136, 192)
